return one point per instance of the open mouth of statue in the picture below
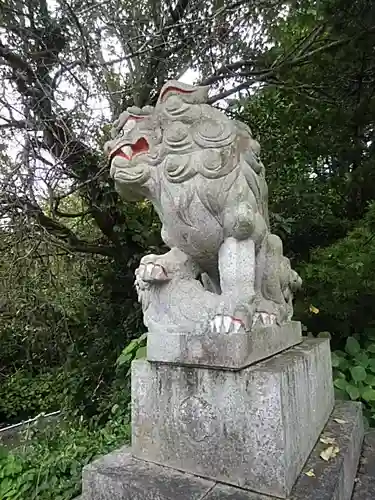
(129, 151)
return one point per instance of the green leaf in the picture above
(130, 347)
(352, 346)
(368, 394)
(335, 360)
(370, 379)
(141, 353)
(362, 359)
(358, 373)
(340, 394)
(341, 354)
(372, 365)
(371, 348)
(344, 364)
(123, 358)
(352, 391)
(340, 383)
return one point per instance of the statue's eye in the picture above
(128, 127)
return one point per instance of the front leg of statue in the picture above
(237, 262)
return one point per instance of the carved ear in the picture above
(188, 93)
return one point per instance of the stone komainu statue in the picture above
(201, 170)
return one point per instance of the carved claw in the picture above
(151, 272)
(264, 319)
(226, 324)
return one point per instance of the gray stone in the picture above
(119, 476)
(334, 479)
(364, 488)
(203, 173)
(252, 428)
(231, 351)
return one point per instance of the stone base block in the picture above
(229, 351)
(119, 476)
(252, 428)
(364, 488)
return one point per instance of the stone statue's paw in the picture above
(151, 272)
(264, 319)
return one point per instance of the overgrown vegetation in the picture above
(50, 465)
(354, 373)
(69, 321)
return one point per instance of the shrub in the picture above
(354, 374)
(50, 466)
(340, 281)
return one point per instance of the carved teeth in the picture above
(236, 326)
(264, 318)
(256, 318)
(127, 150)
(216, 324)
(149, 268)
(225, 324)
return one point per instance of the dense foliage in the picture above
(299, 72)
(50, 465)
(354, 373)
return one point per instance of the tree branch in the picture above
(10, 203)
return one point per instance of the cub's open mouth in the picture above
(129, 151)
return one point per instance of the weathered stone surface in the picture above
(364, 488)
(334, 479)
(233, 351)
(203, 173)
(119, 476)
(252, 428)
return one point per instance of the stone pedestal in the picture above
(120, 476)
(253, 428)
(227, 351)
(203, 430)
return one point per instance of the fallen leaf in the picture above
(340, 421)
(310, 473)
(327, 440)
(329, 453)
(314, 309)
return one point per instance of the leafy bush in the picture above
(51, 465)
(340, 281)
(84, 389)
(354, 374)
(22, 395)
